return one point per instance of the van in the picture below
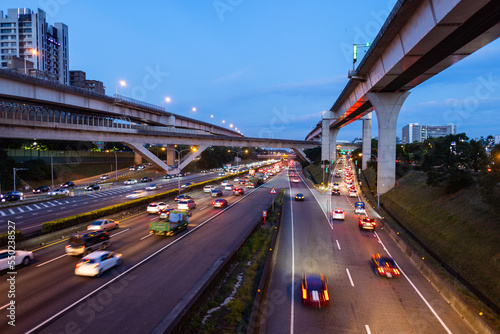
(84, 243)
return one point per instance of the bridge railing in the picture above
(138, 103)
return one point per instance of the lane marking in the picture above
(203, 208)
(368, 329)
(350, 278)
(49, 261)
(114, 235)
(27, 207)
(50, 203)
(20, 209)
(19, 217)
(338, 245)
(292, 310)
(147, 236)
(50, 210)
(312, 192)
(415, 288)
(3, 213)
(36, 206)
(11, 211)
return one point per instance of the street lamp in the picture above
(15, 170)
(237, 156)
(193, 110)
(116, 164)
(122, 83)
(193, 149)
(52, 166)
(167, 99)
(33, 52)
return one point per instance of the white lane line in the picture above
(57, 202)
(62, 207)
(66, 202)
(44, 205)
(203, 208)
(75, 205)
(50, 203)
(368, 331)
(27, 207)
(50, 210)
(3, 213)
(20, 209)
(338, 245)
(312, 192)
(350, 278)
(1, 308)
(11, 211)
(415, 288)
(292, 310)
(34, 214)
(114, 235)
(147, 236)
(36, 206)
(19, 217)
(49, 261)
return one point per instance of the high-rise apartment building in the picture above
(415, 132)
(78, 79)
(44, 49)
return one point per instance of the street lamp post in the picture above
(193, 149)
(116, 164)
(15, 170)
(237, 156)
(52, 166)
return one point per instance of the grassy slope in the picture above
(460, 228)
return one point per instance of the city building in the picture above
(78, 79)
(497, 139)
(415, 132)
(44, 50)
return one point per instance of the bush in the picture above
(4, 238)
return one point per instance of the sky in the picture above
(268, 67)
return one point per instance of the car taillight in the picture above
(67, 246)
(381, 270)
(396, 272)
(213, 203)
(304, 293)
(326, 294)
(79, 264)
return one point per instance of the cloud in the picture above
(228, 78)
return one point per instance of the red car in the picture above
(238, 191)
(385, 266)
(366, 223)
(315, 290)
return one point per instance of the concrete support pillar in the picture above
(299, 152)
(137, 158)
(333, 144)
(190, 156)
(387, 107)
(325, 139)
(367, 141)
(170, 154)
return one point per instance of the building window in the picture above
(10, 24)
(7, 31)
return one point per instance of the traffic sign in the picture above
(273, 191)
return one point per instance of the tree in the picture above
(313, 154)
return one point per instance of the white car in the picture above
(104, 224)
(163, 205)
(153, 208)
(59, 191)
(338, 213)
(224, 182)
(228, 187)
(154, 186)
(130, 181)
(186, 204)
(353, 193)
(97, 263)
(295, 180)
(236, 179)
(137, 194)
(18, 257)
(208, 189)
(104, 177)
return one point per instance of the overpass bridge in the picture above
(419, 39)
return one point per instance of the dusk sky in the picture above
(268, 67)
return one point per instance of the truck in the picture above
(176, 222)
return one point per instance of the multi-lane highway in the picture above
(158, 276)
(360, 300)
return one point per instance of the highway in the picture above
(360, 300)
(29, 217)
(157, 277)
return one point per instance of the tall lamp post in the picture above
(378, 193)
(15, 170)
(237, 156)
(52, 166)
(193, 149)
(116, 164)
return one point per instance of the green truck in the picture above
(176, 222)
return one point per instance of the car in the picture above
(385, 266)
(224, 183)
(337, 175)
(366, 223)
(186, 185)
(83, 243)
(216, 193)
(220, 203)
(238, 191)
(104, 224)
(315, 290)
(299, 197)
(137, 194)
(104, 177)
(130, 181)
(132, 168)
(353, 193)
(168, 176)
(164, 213)
(335, 186)
(338, 213)
(295, 180)
(96, 263)
(336, 192)
(359, 208)
(186, 204)
(250, 185)
(13, 196)
(181, 197)
(146, 179)
(58, 191)
(69, 184)
(222, 174)
(153, 208)
(236, 179)
(228, 187)
(41, 189)
(154, 186)
(163, 205)
(208, 189)
(93, 187)
(140, 167)
(17, 257)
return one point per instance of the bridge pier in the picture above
(171, 154)
(366, 149)
(328, 139)
(387, 107)
(137, 159)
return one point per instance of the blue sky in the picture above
(269, 68)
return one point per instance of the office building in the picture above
(43, 48)
(78, 79)
(415, 132)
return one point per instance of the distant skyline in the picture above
(270, 69)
